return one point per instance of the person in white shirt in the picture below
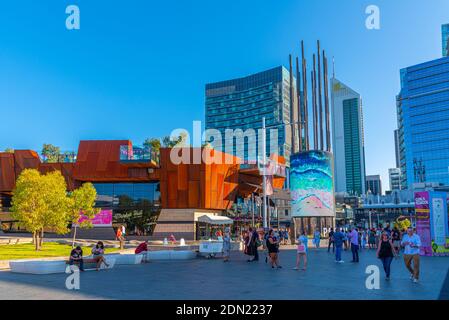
(411, 243)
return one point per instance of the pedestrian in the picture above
(301, 252)
(251, 245)
(396, 237)
(354, 239)
(338, 237)
(345, 239)
(411, 243)
(226, 244)
(371, 239)
(331, 241)
(386, 252)
(317, 238)
(273, 249)
(364, 239)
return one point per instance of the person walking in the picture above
(371, 239)
(411, 243)
(396, 238)
(386, 252)
(364, 239)
(301, 252)
(354, 239)
(331, 241)
(226, 244)
(338, 237)
(317, 238)
(273, 249)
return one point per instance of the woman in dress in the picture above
(372, 239)
(301, 252)
(98, 255)
(273, 249)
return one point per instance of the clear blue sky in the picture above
(137, 69)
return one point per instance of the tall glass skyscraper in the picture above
(347, 139)
(242, 103)
(423, 122)
(445, 39)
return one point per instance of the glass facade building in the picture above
(423, 122)
(136, 205)
(374, 185)
(242, 103)
(445, 39)
(347, 139)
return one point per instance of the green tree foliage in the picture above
(153, 143)
(40, 202)
(50, 152)
(82, 200)
(9, 150)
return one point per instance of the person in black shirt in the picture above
(331, 241)
(273, 249)
(396, 237)
(76, 257)
(386, 252)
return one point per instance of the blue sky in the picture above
(137, 69)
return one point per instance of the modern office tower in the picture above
(397, 149)
(374, 184)
(242, 103)
(347, 139)
(394, 175)
(423, 120)
(445, 39)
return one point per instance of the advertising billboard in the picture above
(102, 219)
(422, 212)
(439, 223)
(311, 184)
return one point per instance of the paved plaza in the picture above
(212, 279)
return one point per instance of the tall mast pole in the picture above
(314, 104)
(305, 98)
(320, 119)
(299, 101)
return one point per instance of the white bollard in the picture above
(165, 241)
(182, 242)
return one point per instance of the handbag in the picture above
(301, 248)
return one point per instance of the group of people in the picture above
(387, 242)
(76, 256)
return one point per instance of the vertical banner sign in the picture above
(422, 213)
(439, 223)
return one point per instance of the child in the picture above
(301, 252)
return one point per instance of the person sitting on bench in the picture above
(98, 252)
(142, 249)
(76, 257)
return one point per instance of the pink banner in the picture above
(422, 211)
(102, 219)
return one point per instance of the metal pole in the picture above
(305, 98)
(319, 99)
(252, 207)
(298, 89)
(264, 160)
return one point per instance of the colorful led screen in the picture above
(311, 184)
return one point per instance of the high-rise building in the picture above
(397, 148)
(347, 139)
(394, 175)
(423, 121)
(374, 184)
(445, 39)
(242, 103)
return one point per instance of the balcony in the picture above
(135, 154)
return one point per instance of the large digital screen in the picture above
(311, 184)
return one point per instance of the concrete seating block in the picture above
(171, 255)
(128, 259)
(37, 266)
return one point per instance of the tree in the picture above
(153, 143)
(9, 150)
(50, 153)
(180, 141)
(82, 201)
(40, 202)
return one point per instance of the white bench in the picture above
(171, 255)
(128, 258)
(53, 266)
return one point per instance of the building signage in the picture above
(102, 219)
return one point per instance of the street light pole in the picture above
(264, 155)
